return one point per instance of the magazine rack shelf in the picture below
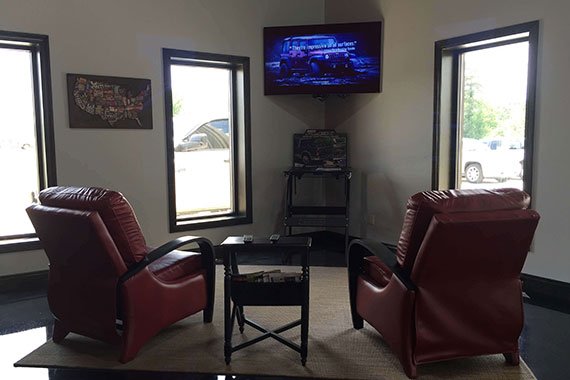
(267, 294)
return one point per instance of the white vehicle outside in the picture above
(499, 158)
(203, 171)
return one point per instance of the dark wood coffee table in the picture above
(265, 294)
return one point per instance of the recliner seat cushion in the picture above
(377, 270)
(423, 206)
(114, 209)
(176, 265)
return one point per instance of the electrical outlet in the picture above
(371, 219)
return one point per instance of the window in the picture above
(208, 141)
(27, 159)
(484, 109)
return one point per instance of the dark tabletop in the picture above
(260, 242)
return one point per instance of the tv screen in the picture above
(322, 59)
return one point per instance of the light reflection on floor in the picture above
(15, 346)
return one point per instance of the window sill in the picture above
(213, 222)
(17, 245)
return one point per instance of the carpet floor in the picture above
(336, 350)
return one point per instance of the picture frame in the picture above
(96, 101)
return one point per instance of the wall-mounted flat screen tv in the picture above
(323, 59)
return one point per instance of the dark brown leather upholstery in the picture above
(379, 272)
(101, 270)
(423, 206)
(114, 209)
(176, 265)
(82, 281)
(455, 292)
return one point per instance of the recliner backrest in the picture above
(85, 267)
(423, 206)
(114, 210)
(467, 274)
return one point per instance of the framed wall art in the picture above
(109, 102)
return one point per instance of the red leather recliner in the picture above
(452, 290)
(102, 276)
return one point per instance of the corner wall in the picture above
(390, 134)
(125, 38)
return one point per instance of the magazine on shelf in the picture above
(268, 276)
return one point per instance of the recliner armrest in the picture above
(206, 249)
(360, 248)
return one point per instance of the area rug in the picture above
(336, 350)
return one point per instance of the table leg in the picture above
(305, 309)
(227, 310)
(240, 314)
(240, 317)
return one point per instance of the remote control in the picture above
(247, 238)
(273, 238)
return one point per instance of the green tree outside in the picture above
(177, 107)
(481, 119)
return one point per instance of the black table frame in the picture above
(233, 245)
(316, 216)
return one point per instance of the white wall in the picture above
(390, 134)
(124, 38)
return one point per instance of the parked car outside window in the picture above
(498, 158)
(213, 134)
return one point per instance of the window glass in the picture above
(208, 144)
(485, 89)
(18, 147)
(202, 140)
(27, 159)
(492, 122)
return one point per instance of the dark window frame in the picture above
(456, 46)
(241, 138)
(38, 45)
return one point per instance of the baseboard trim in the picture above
(22, 280)
(338, 237)
(545, 292)
(21, 286)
